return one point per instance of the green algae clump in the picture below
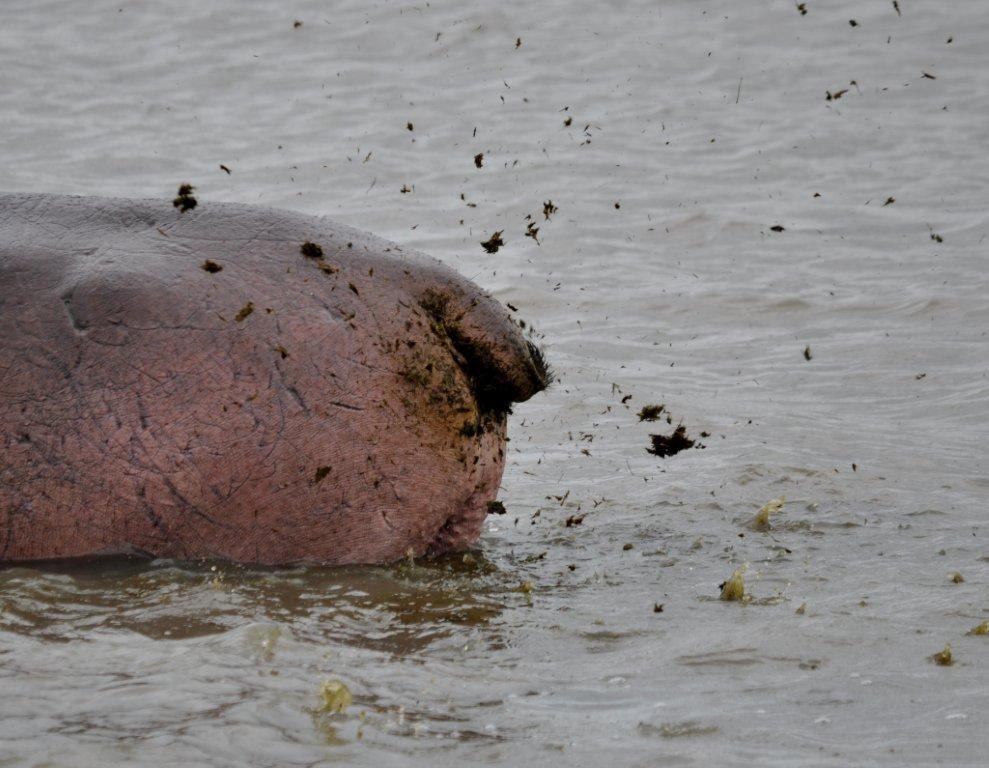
(334, 697)
(944, 658)
(979, 629)
(761, 520)
(734, 588)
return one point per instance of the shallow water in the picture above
(696, 127)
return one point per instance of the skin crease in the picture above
(283, 409)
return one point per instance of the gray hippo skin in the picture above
(242, 384)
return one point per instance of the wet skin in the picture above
(190, 385)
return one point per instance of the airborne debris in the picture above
(896, 7)
(650, 412)
(836, 95)
(518, 43)
(311, 250)
(493, 243)
(531, 230)
(479, 160)
(778, 228)
(669, 445)
(807, 355)
(852, 23)
(184, 201)
(802, 7)
(549, 209)
(224, 168)
(409, 127)
(211, 266)
(889, 201)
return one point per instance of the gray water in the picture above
(696, 128)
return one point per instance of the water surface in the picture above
(673, 138)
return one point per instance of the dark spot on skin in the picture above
(184, 201)
(24, 437)
(321, 473)
(493, 243)
(496, 508)
(353, 288)
(669, 445)
(311, 250)
(211, 266)
(246, 310)
(650, 412)
(479, 160)
(282, 351)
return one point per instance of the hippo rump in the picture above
(242, 384)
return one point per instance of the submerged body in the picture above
(242, 384)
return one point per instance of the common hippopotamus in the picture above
(235, 383)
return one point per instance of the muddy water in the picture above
(672, 137)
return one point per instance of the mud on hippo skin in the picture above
(192, 386)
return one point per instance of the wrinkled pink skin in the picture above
(142, 411)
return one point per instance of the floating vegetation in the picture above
(334, 697)
(526, 587)
(957, 578)
(979, 629)
(801, 609)
(733, 589)
(944, 658)
(761, 520)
